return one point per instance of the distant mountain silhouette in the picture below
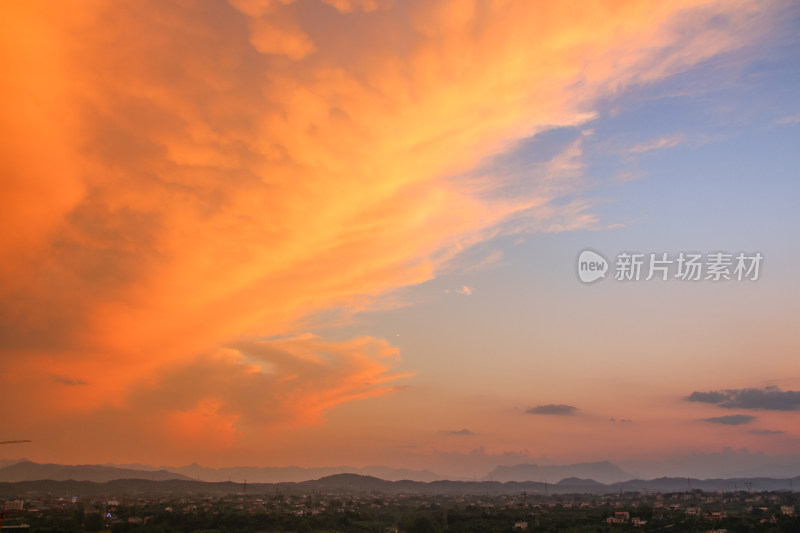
(6, 462)
(24, 470)
(30, 471)
(679, 484)
(583, 480)
(602, 471)
(774, 470)
(275, 474)
(578, 482)
(354, 483)
(399, 474)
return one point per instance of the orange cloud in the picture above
(177, 175)
(234, 397)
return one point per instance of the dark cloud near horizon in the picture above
(69, 381)
(766, 431)
(460, 432)
(621, 420)
(769, 398)
(553, 409)
(730, 420)
(706, 397)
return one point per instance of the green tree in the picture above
(423, 524)
(93, 522)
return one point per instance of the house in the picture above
(620, 517)
(13, 505)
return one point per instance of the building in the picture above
(13, 505)
(624, 515)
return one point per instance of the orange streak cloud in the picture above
(179, 176)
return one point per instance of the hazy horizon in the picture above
(727, 464)
(365, 232)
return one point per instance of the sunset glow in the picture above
(344, 232)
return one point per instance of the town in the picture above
(376, 512)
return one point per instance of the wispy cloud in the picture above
(464, 289)
(766, 431)
(236, 167)
(791, 120)
(658, 144)
(768, 398)
(460, 432)
(553, 409)
(731, 420)
(64, 380)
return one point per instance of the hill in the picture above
(602, 471)
(30, 471)
(358, 484)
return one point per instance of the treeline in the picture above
(436, 518)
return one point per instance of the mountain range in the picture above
(602, 471)
(580, 477)
(355, 483)
(25, 470)
(30, 471)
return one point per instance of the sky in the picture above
(346, 232)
